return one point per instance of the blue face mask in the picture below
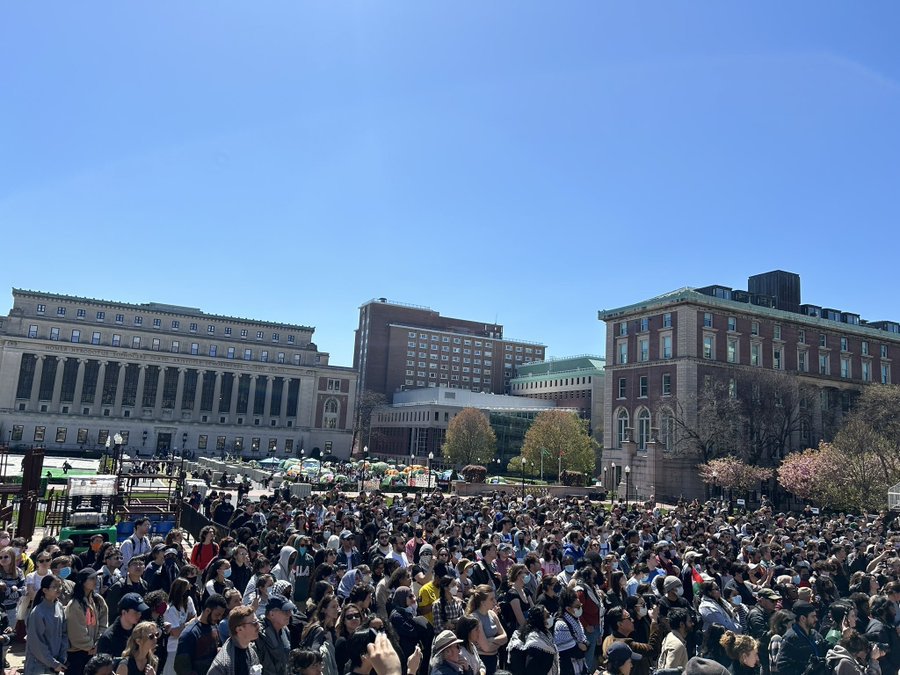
(527, 579)
(227, 573)
(64, 573)
(302, 550)
(570, 569)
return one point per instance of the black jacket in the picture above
(801, 653)
(273, 648)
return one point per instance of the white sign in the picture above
(815, 510)
(741, 502)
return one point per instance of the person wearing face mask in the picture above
(515, 603)
(410, 633)
(733, 598)
(448, 608)
(568, 634)
(217, 578)
(61, 568)
(304, 565)
(568, 571)
(90, 558)
(593, 604)
(532, 648)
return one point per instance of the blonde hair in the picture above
(736, 645)
(142, 632)
(13, 563)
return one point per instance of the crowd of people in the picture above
(431, 584)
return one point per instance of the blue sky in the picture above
(523, 162)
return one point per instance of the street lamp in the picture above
(605, 481)
(523, 478)
(612, 483)
(627, 474)
(430, 457)
(362, 483)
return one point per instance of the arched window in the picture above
(643, 429)
(621, 427)
(330, 418)
(666, 429)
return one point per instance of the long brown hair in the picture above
(11, 569)
(479, 594)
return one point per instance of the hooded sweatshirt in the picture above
(842, 662)
(283, 570)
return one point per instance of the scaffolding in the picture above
(894, 498)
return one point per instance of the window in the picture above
(885, 374)
(60, 311)
(116, 340)
(76, 336)
(330, 416)
(39, 433)
(228, 330)
(622, 427)
(259, 335)
(732, 351)
(802, 365)
(667, 347)
(844, 344)
(644, 349)
(884, 351)
(210, 329)
(80, 313)
(666, 429)
(176, 346)
(280, 357)
(54, 334)
(155, 345)
(623, 352)
(823, 340)
(136, 342)
(248, 354)
(213, 349)
(195, 349)
(708, 347)
(175, 324)
(229, 353)
(864, 347)
(95, 337)
(264, 356)
(667, 384)
(334, 385)
(845, 368)
(645, 325)
(120, 318)
(707, 320)
(138, 321)
(754, 328)
(33, 331)
(192, 327)
(101, 316)
(623, 329)
(41, 309)
(274, 337)
(642, 386)
(801, 336)
(157, 323)
(755, 354)
(732, 388)
(667, 320)
(732, 324)
(643, 429)
(776, 358)
(824, 365)
(866, 371)
(243, 332)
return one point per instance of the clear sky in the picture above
(524, 162)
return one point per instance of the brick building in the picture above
(400, 347)
(663, 351)
(76, 371)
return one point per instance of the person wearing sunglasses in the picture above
(33, 580)
(243, 627)
(274, 643)
(140, 653)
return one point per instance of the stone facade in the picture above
(74, 371)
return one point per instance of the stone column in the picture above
(235, 385)
(179, 392)
(79, 383)
(160, 382)
(98, 393)
(36, 382)
(142, 379)
(268, 404)
(306, 402)
(251, 398)
(282, 414)
(120, 387)
(217, 392)
(57, 383)
(651, 472)
(198, 394)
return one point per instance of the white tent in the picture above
(894, 498)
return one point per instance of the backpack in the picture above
(507, 615)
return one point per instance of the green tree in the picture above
(563, 440)
(470, 439)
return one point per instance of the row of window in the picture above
(562, 382)
(443, 376)
(665, 428)
(488, 344)
(175, 324)
(174, 347)
(643, 390)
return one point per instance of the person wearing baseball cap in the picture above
(115, 638)
(274, 643)
(802, 644)
(620, 659)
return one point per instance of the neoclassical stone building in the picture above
(76, 371)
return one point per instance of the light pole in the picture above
(605, 481)
(627, 475)
(430, 457)
(523, 478)
(362, 482)
(614, 488)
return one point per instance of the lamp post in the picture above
(612, 483)
(430, 457)
(362, 482)
(627, 475)
(605, 481)
(523, 478)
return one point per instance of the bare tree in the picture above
(710, 423)
(775, 409)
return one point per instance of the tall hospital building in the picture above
(76, 371)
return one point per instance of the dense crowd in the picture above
(434, 584)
